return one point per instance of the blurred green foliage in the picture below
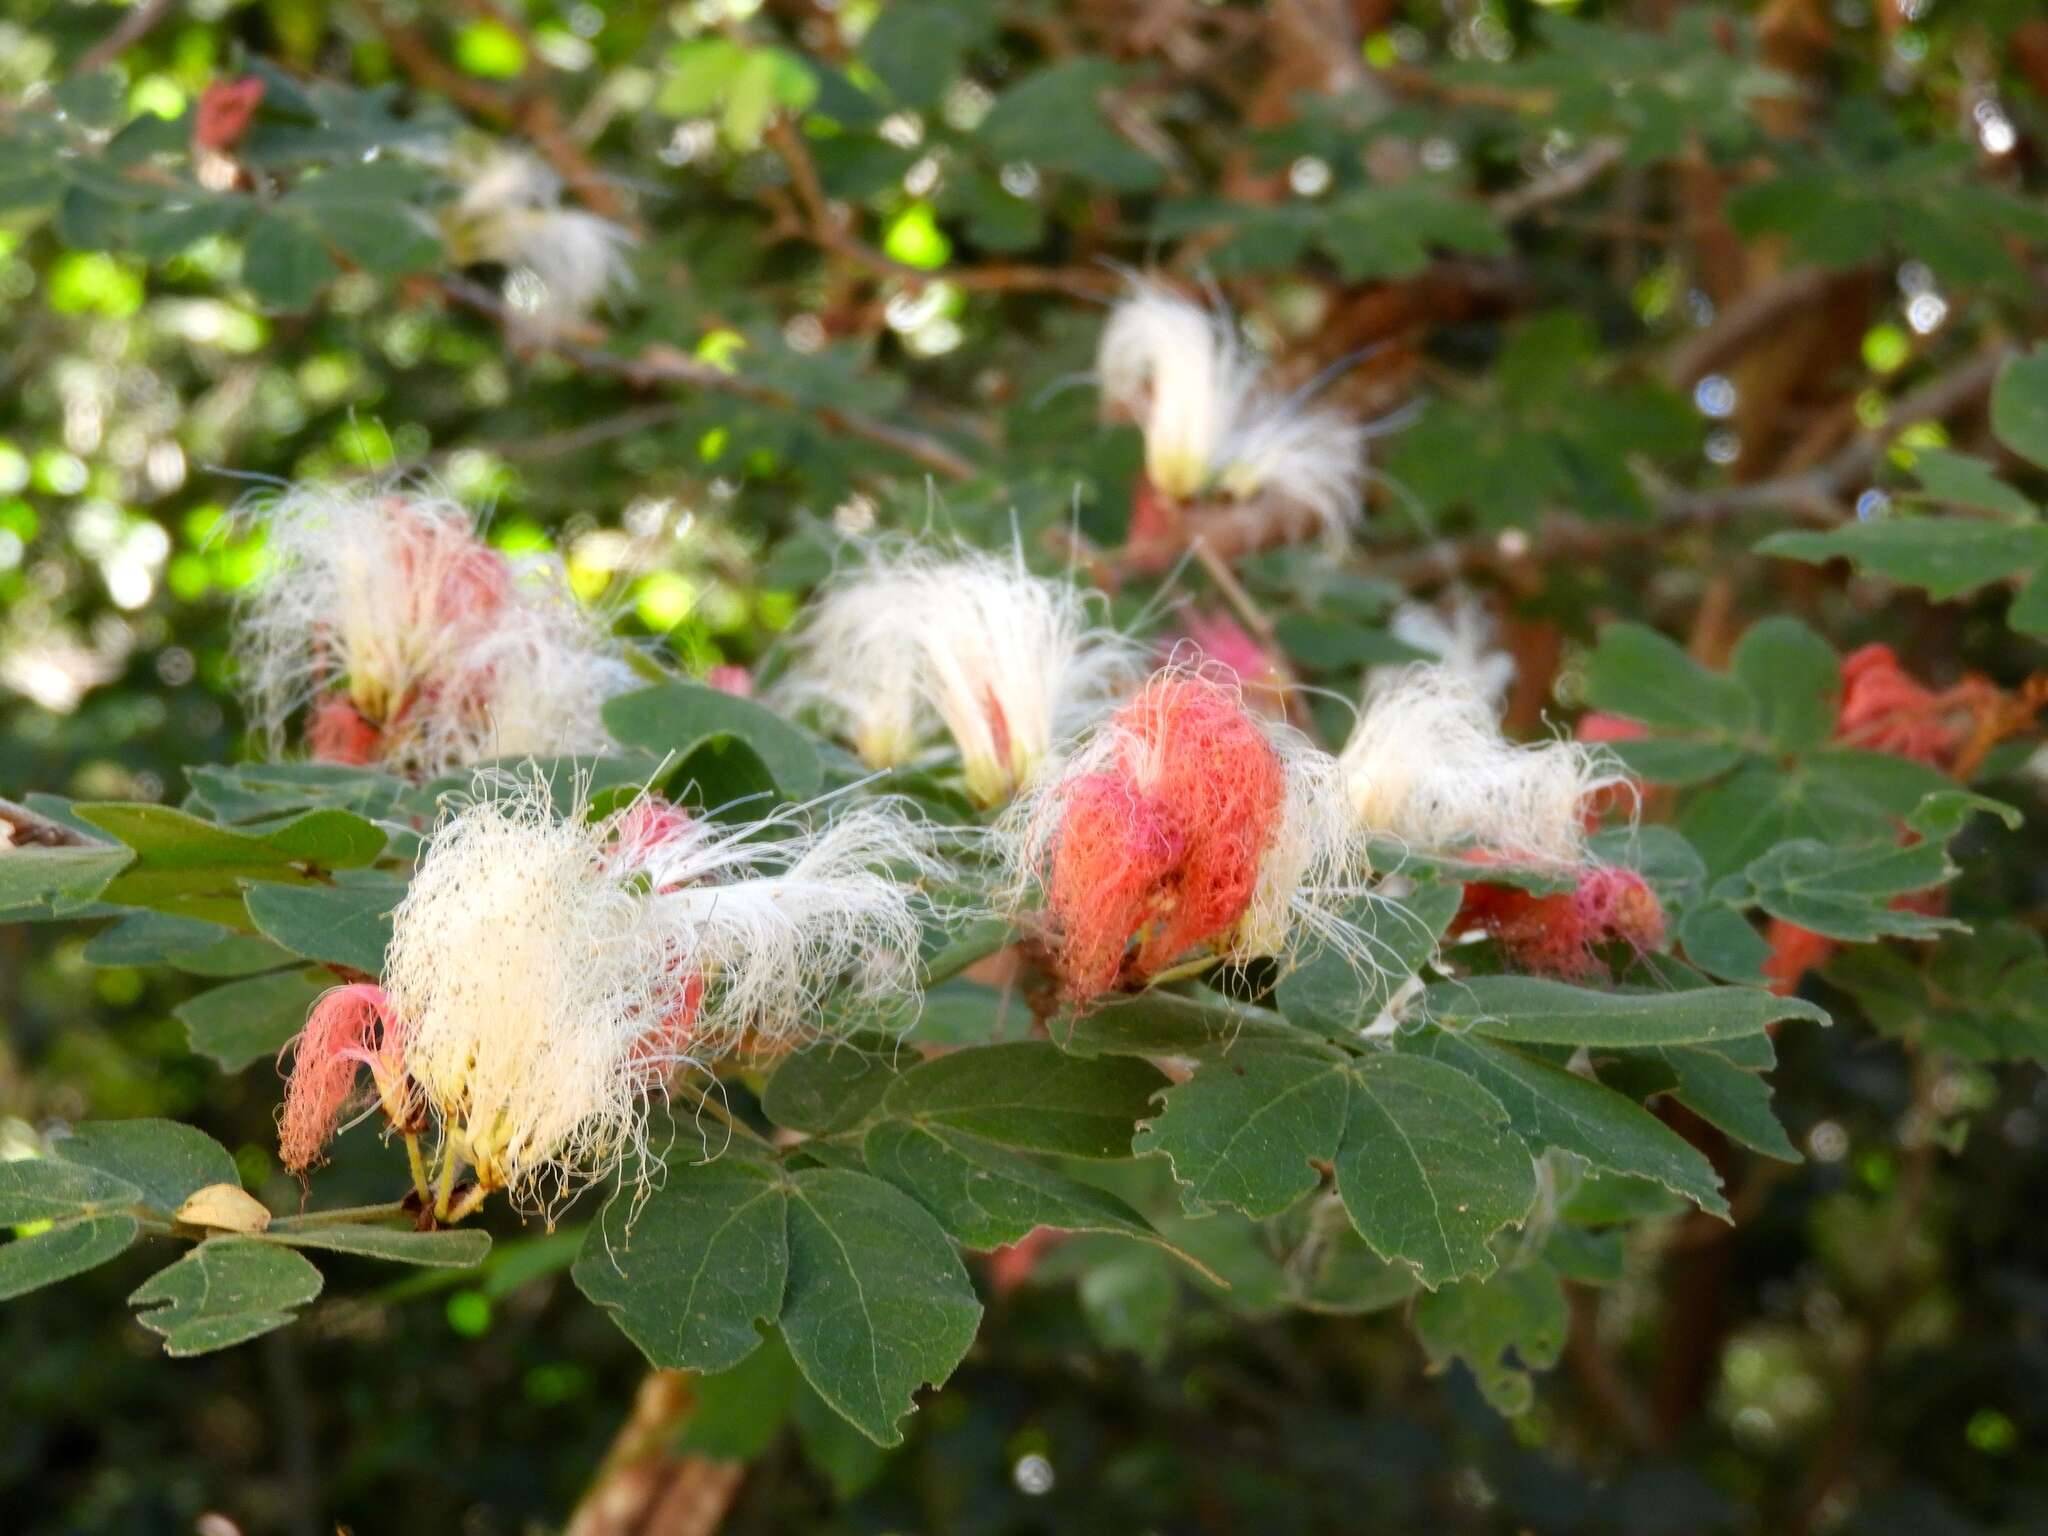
(1646, 294)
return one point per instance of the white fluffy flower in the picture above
(549, 975)
(1176, 369)
(1462, 640)
(382, 608)
(1310, 459)
(1427, 764)
(510, 212)
(910, 640)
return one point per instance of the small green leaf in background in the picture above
(1946, 556)
(833, 1089)
(1793, 676)
(878, 1303)
(1335, 994)
(184, 943)
(1641, 675)
(677, 718)
(1848, 894)
(1505, 1329)
(226, 1291)
(2019, 406)
(284, 263)
(1961, 480)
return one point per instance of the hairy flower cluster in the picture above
(1185, 825)
(509, 212)
(1427, 765)
(547, 976)
(1557, 934)
(1462, 637)
(1210, 425)
(908, 643)
(410, 642)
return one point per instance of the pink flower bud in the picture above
(1161, 847)
(349, 1028)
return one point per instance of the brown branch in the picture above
(1754, 313)
(25, 828)
(659, 364)
(134, 27)
(531, 113)
(825, 226)
(1814, 495)
(644, 1486)
(1558, 183)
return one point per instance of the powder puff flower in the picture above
(547, 976)
(1185, 826)
(1460, 634)
(1176, 370)
(1556, 934)
(911, 641)
(1427, 764)
(1173, 368)
(510, 212)
(410, 641)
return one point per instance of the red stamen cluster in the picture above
(1886, 709)
(338, 733)
(1162, 847)
(350, 1028)
(1557, 935)
(648, 825)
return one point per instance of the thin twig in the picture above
(658, 364)
(134, 27)
(26, 828)
(1560, 182)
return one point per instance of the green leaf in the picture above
(832, 1089)
(44, 1189)
(878, 1303)
(67, 1249)
(1330, 994)
(458, 1248)
(1730, 1098)
(226, 1291)
(1343, 1276)
(1795, 680)
(338, 924)
(1551, 1107)
(689, 1275)
(1504, 1329)
(248, 1021)
(1961, 480)
(2019, 406)
(1637, 673)
(678, 718)
(987, 1196)
(1948, 556)
(1163, 1024)
(1030, 1094)
(194, 867)
(1720, 940)
(1847, 894)
(184, 943)
(284, 264)
(1527, 1010)
(166, 1161)
(1053, 117)
(1245, 1130)
(1676, 760)
(1429, 1168)
(66, 878)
